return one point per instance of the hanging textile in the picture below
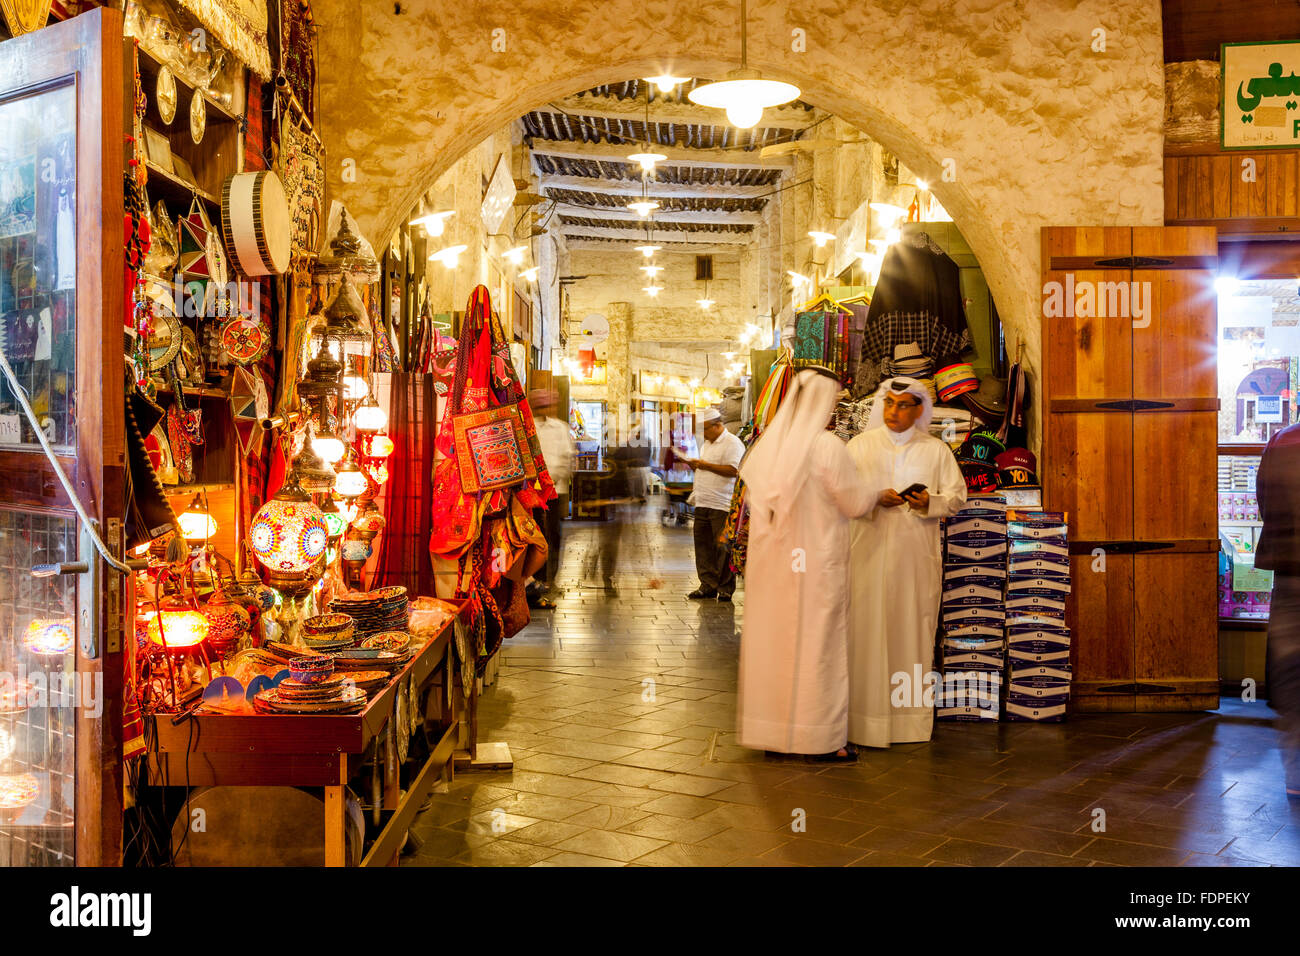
(404, 548)
(916, 299)
(240, 25)
(490, 533)
(736, 530)
(297, 31)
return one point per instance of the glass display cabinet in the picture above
(62, 267)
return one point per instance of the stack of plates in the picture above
(371, 682)
(334, 695)
(369, 659)
(374, 611)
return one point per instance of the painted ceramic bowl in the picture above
(328, 624)
(388, 641)
(311, 670)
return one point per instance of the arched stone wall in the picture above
(1041, 129)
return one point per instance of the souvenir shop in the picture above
(203, 592)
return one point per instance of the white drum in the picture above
(255, 220)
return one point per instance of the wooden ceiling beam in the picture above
(660, 239)
(677, 155)
(705, 217)
(632, 187)
(683, 114)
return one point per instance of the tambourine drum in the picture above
(255, 217)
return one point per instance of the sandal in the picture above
(850, 755)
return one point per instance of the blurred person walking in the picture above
(1277, 488)
(558, 449)
(793, 691)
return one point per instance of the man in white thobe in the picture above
(897, 568)
(793, 691)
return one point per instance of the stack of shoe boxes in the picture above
(974, 611)
(1038, 640)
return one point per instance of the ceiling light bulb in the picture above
(647, 160)
(879, 243)
(705, 304)
(744, 115)
(729, 356)
(893, 235)
(821, 238)
(666, 81)
(648, 251)
(449, 256)
(516, 255)
(922, 185)
(652, 290)
(530, 275)
(799, 279)
(652, 271)
(1227, 285)
(643, 207)
(695, 383)
(889, 213)
(434, 223)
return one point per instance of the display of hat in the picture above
(981, 448)
(989, 401)
(928, 382)
(956, 379)
(980, 479)
(910, 361)
(1017, 468)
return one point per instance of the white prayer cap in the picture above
(708, 415)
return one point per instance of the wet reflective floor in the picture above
(619, 709)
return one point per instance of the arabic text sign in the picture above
(1260, 95)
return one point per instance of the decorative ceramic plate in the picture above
(165, 95)
(198, 117)
(245, 339)
(396, 641)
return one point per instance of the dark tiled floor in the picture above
(620, 714)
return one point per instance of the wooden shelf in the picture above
(177, 491)
(173, 189)
(196, 391)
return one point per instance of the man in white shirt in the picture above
(558, 448)
(715, 479)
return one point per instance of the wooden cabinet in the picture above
(1130, 406)
(1242, 193)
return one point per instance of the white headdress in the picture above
(777, 465)
(901, 385)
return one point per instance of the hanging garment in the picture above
(917, 298)
(895, 583)
(793, 684)
(736, 531)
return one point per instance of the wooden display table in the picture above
(319, 751)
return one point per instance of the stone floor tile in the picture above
(970, 853)
(676, 829)
(680, 805)
(610, 844)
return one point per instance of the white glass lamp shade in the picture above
(370, 418)
(197, 525)
(355, 388)
(744, 98)
(328, 447)
(288, 535)
(351, 483)
(643, 207)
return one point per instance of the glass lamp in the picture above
(49, 638)
(378, 446)
(313, 473)
(351, 481)
(369, 417)
(288, 535)
(196, 524)
(329, 447)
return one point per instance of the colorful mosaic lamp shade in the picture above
(288, 532)
(183, 628)
(49, 637)
(228, 622)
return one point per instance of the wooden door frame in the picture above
(90, 48)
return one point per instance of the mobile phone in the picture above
(911, 489)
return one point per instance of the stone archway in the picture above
(1036, 125)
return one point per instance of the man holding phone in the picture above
(715, 479)
(895, 561)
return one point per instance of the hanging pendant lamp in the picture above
(744, 94)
